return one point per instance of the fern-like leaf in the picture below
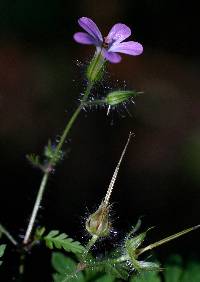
(58, 240)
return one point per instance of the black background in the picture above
(41, 78)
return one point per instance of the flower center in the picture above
(106, 43)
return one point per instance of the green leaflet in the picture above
(117, 270)
(173, 269)
(2, 250)
(34, 160)
(106, 278)
(65, 268)
(56, 240)
(173, 273)
(146, 277)
(192, 272)
(176, 271)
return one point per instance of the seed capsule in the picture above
(98, 223)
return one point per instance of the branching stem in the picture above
(52, 162)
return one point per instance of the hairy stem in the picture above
(36, 207)
(90, 244)
(4, 231)
(46, 173)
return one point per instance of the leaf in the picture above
(192, 272)
(2, 250)
(173, 273)
(34, 160)
(146, 277)
(39, 233)
(105, 278)
(66, 269)
(56, 240)
(173, 269)
(117, 270)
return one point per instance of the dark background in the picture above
(41, 78)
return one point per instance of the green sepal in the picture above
(95, 68)
(149, 266)
(131, 244)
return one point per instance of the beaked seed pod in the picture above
(98, 223)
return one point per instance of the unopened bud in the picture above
(98, 223)
(119, 96)
(95, 68)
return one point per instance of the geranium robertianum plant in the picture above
(126, 258)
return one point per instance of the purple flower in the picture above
(110, 45)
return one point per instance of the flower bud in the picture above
(98, 223)
(95, 68)
(119, 96)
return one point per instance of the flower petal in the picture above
(118, 33)
(84, 38)
(89, 26)
(130, 47)
(111, 57)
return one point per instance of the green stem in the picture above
(36, 207)
(52, 162)
(72, 120)
(8, 235)
(88, 247)
(90, 244)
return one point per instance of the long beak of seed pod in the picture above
(167, 239)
